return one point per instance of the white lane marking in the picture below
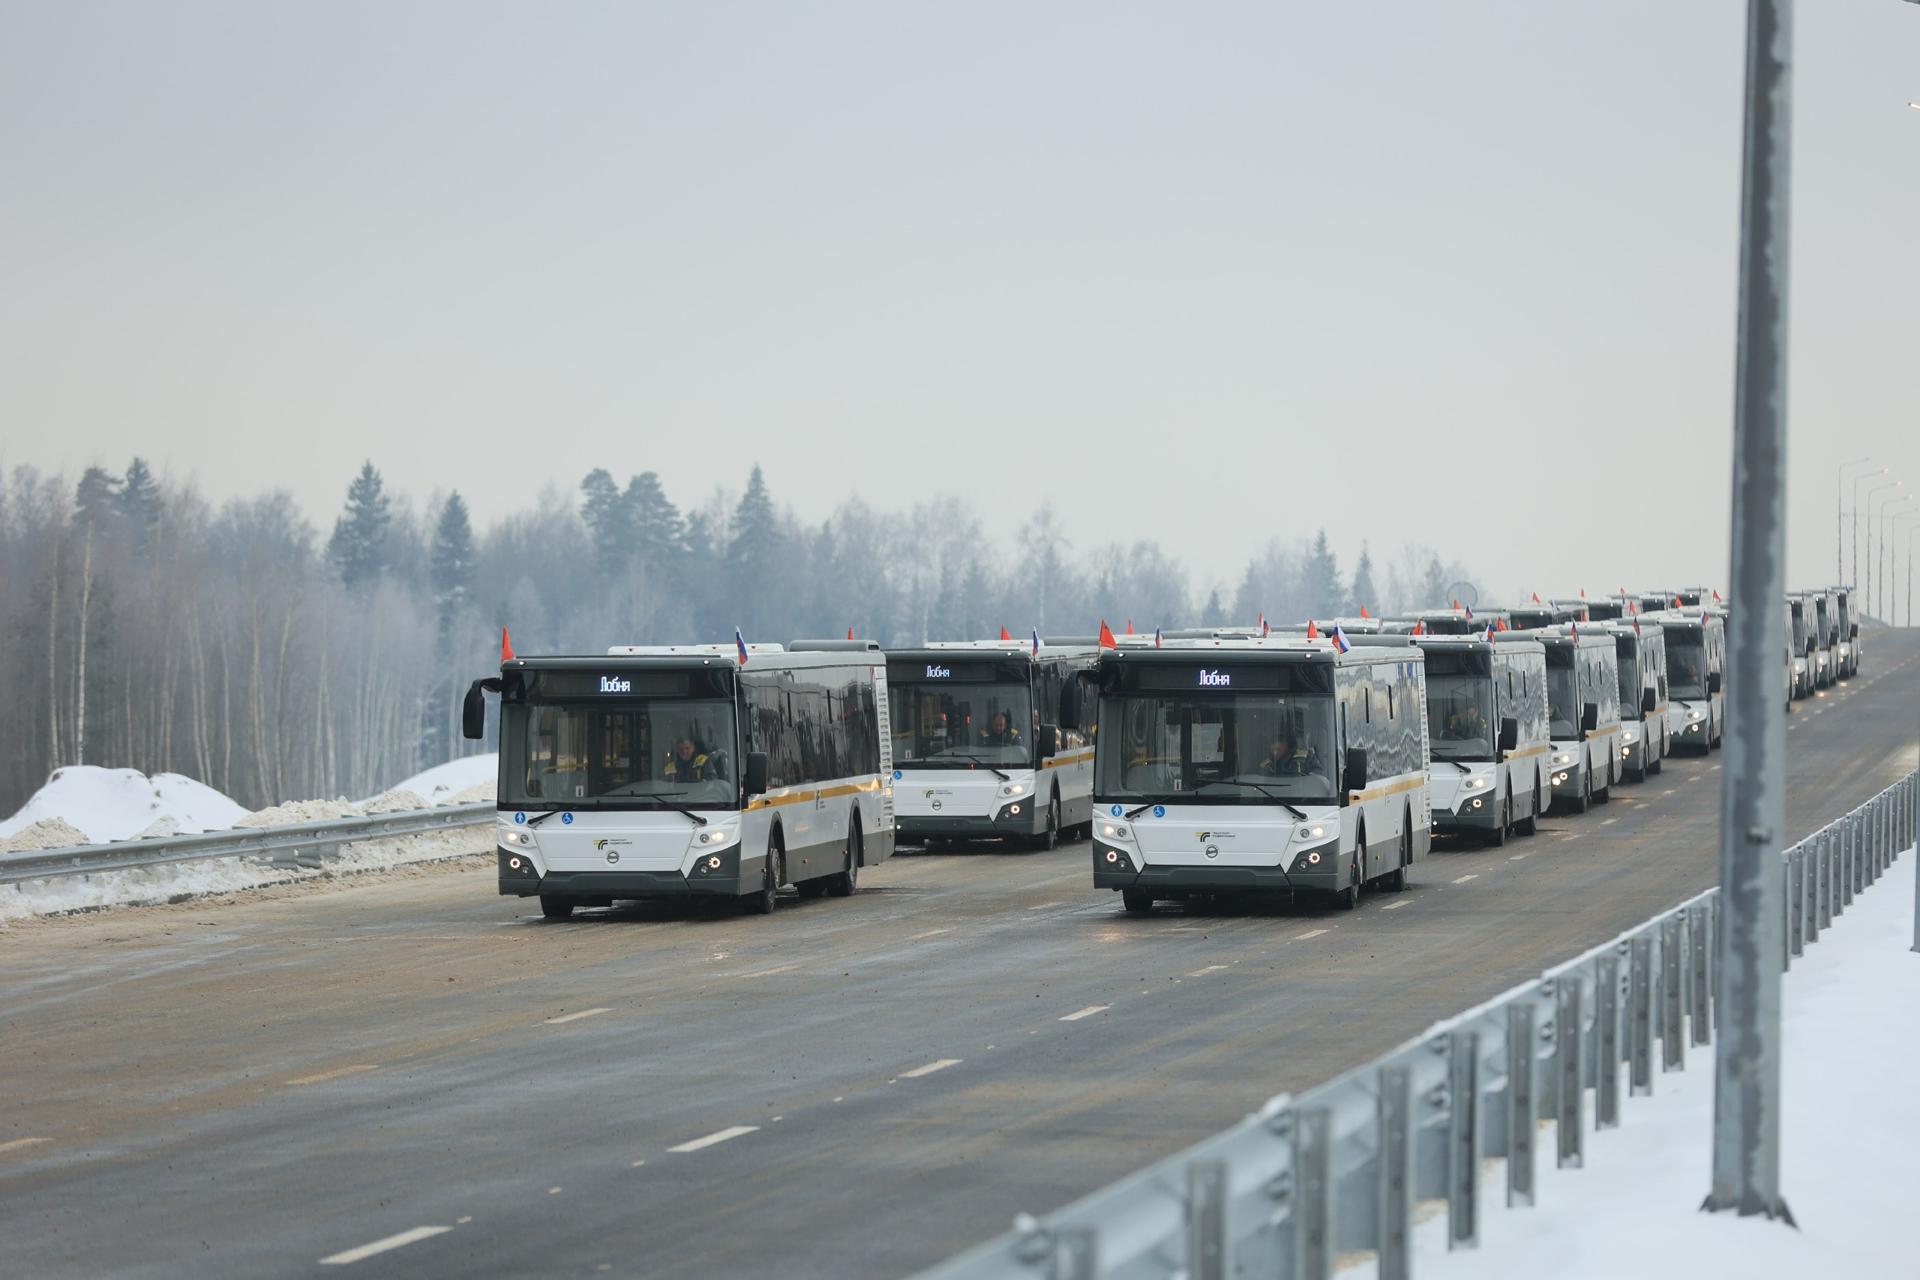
(461, 1222)
(931, 933)
(1716, 768)
(1311, 933)
(18, 1143)
(1472, 875)
(768, 973)
(637, 1163)
(714, 1139)
(553, 1191)
(1607, 822)
(1201, 973)
(1044, 905)
(335, 1074)
(1395, 906)
(938, 1064)
(1087, 1012)
(1669, 791)
(575, 1017)
(1570, 835)
(346, 1256)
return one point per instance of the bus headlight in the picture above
(1562, 758)
(1312, 833)
(514, 835)
(1476, 784)
(714, 836)
(1011, 789)
(1115, 831)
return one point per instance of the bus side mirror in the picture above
(755, 779)
(473, 711)
(1070, 702)
(1356, 779)
(1509, 734)
(1853, 632)
(1590, 717)
(1049, 740)
(1647, 702)
(1713, 682)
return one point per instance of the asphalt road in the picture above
(849, 1089)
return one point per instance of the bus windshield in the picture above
(1459, 711)
(1256, 749)
(633, 753)
(1629, 687)
(1686, 669)
(1563, 702)
(958, 726)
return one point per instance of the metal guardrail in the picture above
(1340, 1168)
(303, 844)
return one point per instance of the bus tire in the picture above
(1584, 800)
(1395, 881)
(1497, 837)
(1348, 898)
(761, 902)
(1531, 823)
(1138, 902)
(1050, 837)
(556, 908)
(847, 883)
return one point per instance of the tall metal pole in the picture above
(1753, 936)
(1887, 538)
(1839, 501)
(1873, 601)
(1858, 583)
(1910, 534)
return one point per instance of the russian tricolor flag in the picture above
(1340, 642)
(740, 643)
(1156, 637)
(1036, 642)
(1469, 609)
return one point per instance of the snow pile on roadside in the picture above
(48, 833)
(468, 780)
(399, 800)
(118, 804)
(1846, 1143)
(180, 881)
(293, 811)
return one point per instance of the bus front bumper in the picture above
(527, 882)
(1004, 822)
(1476, 813)
(1119, 872)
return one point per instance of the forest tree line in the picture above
(238, 645)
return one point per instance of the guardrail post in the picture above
(1566, 1061)
(1394, 1148)
(1640, 1018)
(1606, 1028)
(1796, 901)
(1823, 886)
(1520, 1118)
(1207, 1220)
(1076, 1254)
(1463, 1140)
(1313, 1206)
(1673, 1050)
(1849, 854)
(1700, 1017)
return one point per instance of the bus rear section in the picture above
(1259, 766)
(676, 772)
(991, 741)
(1487, 720)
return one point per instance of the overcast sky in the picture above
(1459, 272)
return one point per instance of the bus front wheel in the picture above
(1138, 902)
(1348, 898)
(761, 903)
(847, 883)
(555, 908)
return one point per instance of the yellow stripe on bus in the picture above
(1607, 732)
(1394, 789)
(775, 800)
(1524, 752)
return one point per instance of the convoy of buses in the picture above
(1320, 759)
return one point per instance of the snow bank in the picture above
(118, 804)
(468, 780)
(292, 811)
(1849, 1128)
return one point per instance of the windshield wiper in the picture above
(539, 818)
(1004, 777)
(698, 821)
(1261, 787)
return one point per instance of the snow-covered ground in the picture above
(115, 804)
(1849, 1132)
(462, 781)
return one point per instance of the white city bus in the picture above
(1846, 634)
(1696, 659)
(1242, 766)
(992, 741)
(1826, 629)
(1487, 716)
(1642, 654)
(1800, 620)
(680, 771)
(1583, 704)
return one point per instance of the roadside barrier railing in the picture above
(1342, 1168)
(306, 845)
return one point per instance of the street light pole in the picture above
(1751, 942)
(1889, 529)
(1839, 478)
(1910, 535)
(1853, 517)
(1867, 584)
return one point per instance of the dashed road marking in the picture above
(1471, 875)
(1518, 857)
(1570, 835)
(335, 1074)
(575, 1017)
(1395, 906)
(1311, 933)
(347, 1256)
(19, 1144)
(1087, 1012)
(931, 933)
(1201, 973)
(1042, 906)
(768, 973)
(938, 1064)
(714, 1139)
(1607, 822)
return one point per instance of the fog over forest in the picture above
(277, 656)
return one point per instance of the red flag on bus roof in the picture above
(1420, 627)
(1106, 636)
(1129, 626)
(849, 633)
(1364, 613)
(1005, 634)
(1313, 629)
(506, 646)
